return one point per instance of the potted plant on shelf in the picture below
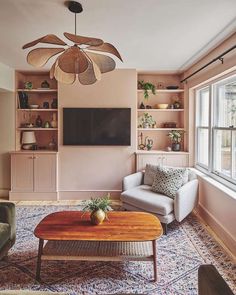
(146, 121)
(176, 138)
(98, 208)
(146, 86)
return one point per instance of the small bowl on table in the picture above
(162, 106)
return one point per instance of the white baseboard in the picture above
(86, 194)
(222, 234)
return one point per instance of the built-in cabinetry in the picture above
(157, 133)
(33, 176)
(34, 165)
(179, 159)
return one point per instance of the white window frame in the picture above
(209, 170)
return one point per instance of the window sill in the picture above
(215, 183)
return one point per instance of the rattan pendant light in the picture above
(83, 60)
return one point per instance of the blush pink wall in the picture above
(88, 170)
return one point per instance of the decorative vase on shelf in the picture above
(149, 144)
(38, 122)
(54, 120)
(145, 125)
(52, 145)
(47, 124)
(176, 147)
(54, 103)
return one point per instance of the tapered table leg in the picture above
(154, 249)
(40, 252)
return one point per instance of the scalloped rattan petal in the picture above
(60, 75)
(91, 75)
(106, 47)
(83, 40)
(73, 60)
(50, 39)
(38, 57)
(105, 63)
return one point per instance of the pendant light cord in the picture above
(75, 23)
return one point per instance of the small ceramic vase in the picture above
(38, 121)
(54, 120)
(97, 216)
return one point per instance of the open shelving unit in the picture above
(159, 154)
(36, 96)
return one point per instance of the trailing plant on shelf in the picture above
(146, 121)
(176, 138)
(98, 208)
(146, 86)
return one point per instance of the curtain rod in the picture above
(219, 57)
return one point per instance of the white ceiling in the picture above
(151, 35)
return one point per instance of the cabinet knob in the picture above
(31, 157)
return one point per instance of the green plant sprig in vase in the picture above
(98, 208)
(146, 86)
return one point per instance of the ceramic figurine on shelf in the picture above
(45, 84)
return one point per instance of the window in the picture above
(216, 130)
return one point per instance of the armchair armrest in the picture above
(186, 199)
(7, 215)
(132, 181)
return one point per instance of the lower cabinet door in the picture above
(45, 173)
(180, 160)
(22, 173)
(176, 160)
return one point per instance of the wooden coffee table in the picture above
(126, 236)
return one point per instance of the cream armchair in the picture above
(137, 196)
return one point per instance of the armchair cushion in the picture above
(143, 197)
(169, 180)
(149, 174)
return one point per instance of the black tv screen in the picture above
(96, 126)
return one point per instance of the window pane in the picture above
(202, 152)
(225, 101)
(222, 152)
(203, 107)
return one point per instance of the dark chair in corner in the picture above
(210, 282)
(7, 227)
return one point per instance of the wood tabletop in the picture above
(121, 226)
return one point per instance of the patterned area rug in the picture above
(180, 253)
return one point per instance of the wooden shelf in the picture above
(160, 110)
(159, 129)
(38, 129)
(37, 110)
(164, 90)
(37, 90)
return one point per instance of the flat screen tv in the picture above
(96, 126)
